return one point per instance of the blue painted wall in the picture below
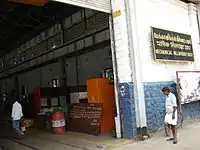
(155, 104)
(191, 111)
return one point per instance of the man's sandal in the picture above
(175, 142)
(170, 139)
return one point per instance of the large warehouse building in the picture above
(94, 53)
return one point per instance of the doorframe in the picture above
(118, 123)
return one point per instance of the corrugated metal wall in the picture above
(30, 79)
(48, 73)
(92, 64)
(8, 84)
(78, 68)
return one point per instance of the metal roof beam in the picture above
(34, 19)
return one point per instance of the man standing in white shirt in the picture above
(171, 112)
(16, 117)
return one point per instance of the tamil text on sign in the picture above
(172, 46)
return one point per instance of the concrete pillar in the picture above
(194, 16)
(133, 114)
(134, 43)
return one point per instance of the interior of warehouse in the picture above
(65, 69)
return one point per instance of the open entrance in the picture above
(63, 74)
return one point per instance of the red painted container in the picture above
(58, 123)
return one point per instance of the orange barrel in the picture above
(58, 123)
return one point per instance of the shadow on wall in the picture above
(155, 105)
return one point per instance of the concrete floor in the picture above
(189, 138)
(39, 140)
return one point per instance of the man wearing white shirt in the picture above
(16, 117)
(171, 116)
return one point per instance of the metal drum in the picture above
(58, 123)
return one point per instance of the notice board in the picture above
(172, 46)
(84, 118)
(188, 86)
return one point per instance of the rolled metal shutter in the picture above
(99, 5)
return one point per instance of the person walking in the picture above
(171, 116)
(16, 117)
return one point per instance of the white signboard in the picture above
(188, 86)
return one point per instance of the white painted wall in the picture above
(171, 15)
(121, 42)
